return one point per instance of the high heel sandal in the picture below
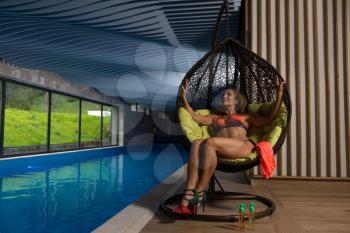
(200, 200)
(187, 210)
(197, 200)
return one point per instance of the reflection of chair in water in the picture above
(231, 65)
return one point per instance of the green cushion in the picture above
(270, 133)
(191, 128)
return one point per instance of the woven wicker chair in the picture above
(230, 65)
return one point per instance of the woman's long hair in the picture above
(240, 105)
(241, 101)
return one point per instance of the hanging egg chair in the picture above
(231, 65)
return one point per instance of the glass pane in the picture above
(25, 119)
(106, 129)
(140, 108)
(64, 122)
(90, 124)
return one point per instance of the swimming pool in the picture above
(79, 191)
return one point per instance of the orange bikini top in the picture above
(232, 121)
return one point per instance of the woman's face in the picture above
(228, 98)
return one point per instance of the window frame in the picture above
(4, 80)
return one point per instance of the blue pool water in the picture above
(79, 191)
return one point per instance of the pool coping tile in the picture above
(136, 215)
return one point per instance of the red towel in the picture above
(267, 158)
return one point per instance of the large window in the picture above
(40, 120)
(64, 122)
(90, 124)
(26, 117)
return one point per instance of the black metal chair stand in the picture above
(220, 195)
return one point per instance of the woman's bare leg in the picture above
(192, 169)
(193, 163)
(231, 148)
(227, 147)
(208, 162)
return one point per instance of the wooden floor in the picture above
(301, 206)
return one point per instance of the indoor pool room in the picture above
(167, 116)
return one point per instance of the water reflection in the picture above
(42, 201)
(77, 197)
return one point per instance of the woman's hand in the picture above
(184, 88)
(202, 120)
(260, 121)
(280, 85)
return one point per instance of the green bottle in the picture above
(241, 219)
(251, 219)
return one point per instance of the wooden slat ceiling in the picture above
(111, 44)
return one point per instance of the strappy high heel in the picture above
(200, 200)
(189, 209)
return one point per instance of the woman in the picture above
(229, 140)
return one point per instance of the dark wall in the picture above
(138, 127)
(157, 127)
(167, 129)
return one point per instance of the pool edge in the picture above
(136, 215)
(52, 153)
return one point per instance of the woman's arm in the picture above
(260, 121)
(203, 120)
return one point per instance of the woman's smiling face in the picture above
(228, 98)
